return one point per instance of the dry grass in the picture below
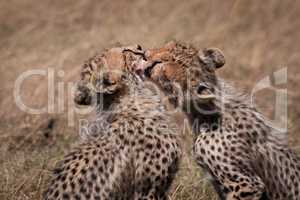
(257, 38)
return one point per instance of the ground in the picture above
(257, 38)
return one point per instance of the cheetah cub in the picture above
(246, 157)
(129, 153)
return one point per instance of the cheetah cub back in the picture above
(247, 158)
(129, 153)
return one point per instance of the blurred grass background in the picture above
(257, 38)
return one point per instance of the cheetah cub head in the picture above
(185, 74)
(105, 77)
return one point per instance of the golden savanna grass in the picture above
(257, 38)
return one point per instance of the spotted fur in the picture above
(130, 154)
(246, 157)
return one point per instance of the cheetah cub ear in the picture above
(212, 57)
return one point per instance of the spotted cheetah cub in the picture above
(246, 157)
(130, 153)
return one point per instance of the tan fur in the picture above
(131, 154)
(241, 152)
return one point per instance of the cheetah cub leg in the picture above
(246, 191)
(239, 185)
(234, 177)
